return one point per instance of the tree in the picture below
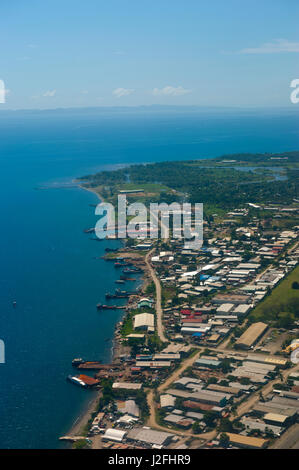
(196, 427)
(212, 380)
(224, 440)
(295, 285)
(209, 418)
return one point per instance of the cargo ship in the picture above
(116, 296)
(131, 270)
(83, 380)
(126, 292)
(110, 307)
(91, 365)
(76, 381)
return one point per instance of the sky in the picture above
(70, 53)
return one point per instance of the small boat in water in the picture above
(131, 270)
(125, 278)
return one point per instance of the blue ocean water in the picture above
(47, 262)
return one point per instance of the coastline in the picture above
(77, 428)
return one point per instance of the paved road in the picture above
(159, 311)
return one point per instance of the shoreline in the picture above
(116, 350)
(77, 428)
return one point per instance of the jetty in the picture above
(110, 307)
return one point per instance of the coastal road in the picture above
(159, 311)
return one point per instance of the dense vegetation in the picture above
(218, 182)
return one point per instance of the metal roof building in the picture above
(251, 335)
(150, 436)
(167, 401)
(207, 363)
(263, 427)
(246, 441)
(127, 385)
(144, 321)
(204, 396)
(114, 435)
(129, 407)
(224, 308)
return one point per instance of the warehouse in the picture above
(224, 309)
(241, 310)
(258, 367)
(246, 441)
(153, 364)
(166, 357)
(150, 436)
(276, 361)
(251, 335)
(286, 401)
(261, 409)
(128, 407)
(223, 389)
(185, 381)
(127, 386)
(231, 299)
(167, 401)
(114, 435)
(251, 424)
(207, 363)
(191, 331)
(144, 321)
(277, 419)
(195, 415)
(204, 396)
(253, 377)
(231, 318)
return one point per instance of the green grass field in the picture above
(281, 307)
(148, 187)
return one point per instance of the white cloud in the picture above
(84, 92)
(50, 93)
(278, 45)
(119, 92)
(171, 91)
